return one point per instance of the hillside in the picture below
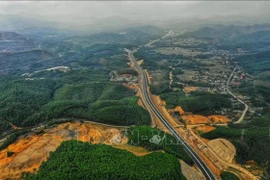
(212, 33)
(255, 63)
(131, 36)
(11, 36)
(27, 103)
(14, 42)
(78, 160)
(252, 38)
(22, 61)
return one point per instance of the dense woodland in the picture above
(29, 102)
(257, 63)
(197, 102)
(228, 176)
(78, 160)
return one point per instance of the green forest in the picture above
(26, 103)
(228, 176)
(259, 93)
(142, 136)
(257, 63)
(78, 160)
(197, 102)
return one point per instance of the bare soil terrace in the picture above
(31, 149)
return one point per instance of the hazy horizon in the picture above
(88, 11)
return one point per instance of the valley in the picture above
(187, 103)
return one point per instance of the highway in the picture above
(203, 167)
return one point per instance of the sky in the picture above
(135, 9)
(72, 14)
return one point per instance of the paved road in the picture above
(246, 106)
(206, 171)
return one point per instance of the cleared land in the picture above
(192, 119)
(30, 150)
(223, 148)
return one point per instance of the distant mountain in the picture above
(133, 36)
(23, 61)
(251, 28)
(225, 32)
(11, 36)
(23, 22)
(252, 37)
(259, 36)
(212, 33)
(16, 22)
(14, 42)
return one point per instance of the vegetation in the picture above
(90, 92)
(160, 88)
(20, 99)
(228, 176)
(197, 102)
(257, 63)
(145, 136)
(78, 160)
(255, 92)
(27, 103)
(122, 112)
(4, 125)
(9, 153)
(82, 92)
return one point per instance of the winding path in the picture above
(246, 106)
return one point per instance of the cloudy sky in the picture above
(134, 9)
(86, 14)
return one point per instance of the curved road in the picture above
(246, 106)
(206, 171)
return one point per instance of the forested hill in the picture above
(255, 63)
(78, 160)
